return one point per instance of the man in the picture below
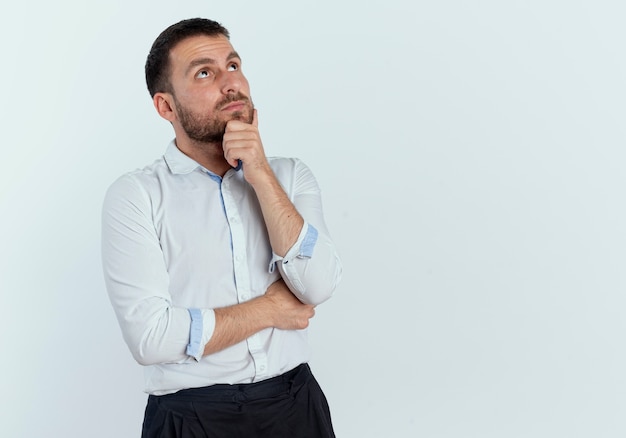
(215, 257)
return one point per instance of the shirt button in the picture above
(262, 368)
(244, 297)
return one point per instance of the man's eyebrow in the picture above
(204, 61)
(197, 62)
(232, 55)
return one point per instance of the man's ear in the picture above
(163, 102)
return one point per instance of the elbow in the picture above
(321, 289)
(138, 340)
(143, 360)
(316, 299)
(144, 353)
(150, 349)
(156, 335)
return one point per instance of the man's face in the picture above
(209, 88)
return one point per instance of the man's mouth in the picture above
(237, 105)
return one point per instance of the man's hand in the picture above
(288, 313)
(243, 142)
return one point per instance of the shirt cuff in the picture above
(200, 331)
(303, 248)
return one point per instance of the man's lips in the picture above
(234, 106)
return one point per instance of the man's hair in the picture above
(158, 62)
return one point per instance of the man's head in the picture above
(195, 80)
(158, 62)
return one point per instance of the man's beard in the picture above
(205, 129)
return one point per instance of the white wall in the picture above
(471, 156)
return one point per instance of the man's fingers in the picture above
(238, 125)
(242, 142)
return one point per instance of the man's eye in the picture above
(233, 67)
(203, 74)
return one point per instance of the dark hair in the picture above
(158, 62)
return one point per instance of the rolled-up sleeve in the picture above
(312, 267)
(138, 284)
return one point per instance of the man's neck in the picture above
(208, 155)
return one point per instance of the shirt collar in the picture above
(178, 162)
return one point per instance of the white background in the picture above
(471, 157)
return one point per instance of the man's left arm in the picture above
(303, 250)
(311, 268)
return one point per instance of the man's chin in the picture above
(242, 116)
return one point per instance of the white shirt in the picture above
(179, 241)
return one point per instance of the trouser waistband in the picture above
(272, 387)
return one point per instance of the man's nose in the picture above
(231, 82)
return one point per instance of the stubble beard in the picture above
(206, 129)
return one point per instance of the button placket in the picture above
(240, 266)
(240, 263)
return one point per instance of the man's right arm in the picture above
(277, 308)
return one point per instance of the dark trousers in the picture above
(291, 405)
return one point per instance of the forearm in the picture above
(304, 252)
(282, 220)
(236, 323)
(277, 308)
